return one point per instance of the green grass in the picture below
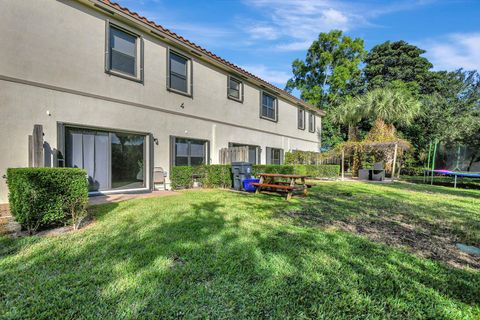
(217, 254)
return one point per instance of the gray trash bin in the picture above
(240, 172)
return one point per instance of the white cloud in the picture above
(453, 51)
(296, 23)
(276, 77)
(263, 32)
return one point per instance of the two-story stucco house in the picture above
(119, 95)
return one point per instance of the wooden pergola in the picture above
(349, 148)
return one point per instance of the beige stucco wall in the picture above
(52, 58)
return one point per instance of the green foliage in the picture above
(451, 113)
(45, 196)
(216, 176)
(182, 176)
(392, 61)
(273, 168)
(211, 176)
(311, 170)
(220, 176)
(318, 171)
(329, 74)
(394, 106)
(412, 171)
(302, 157)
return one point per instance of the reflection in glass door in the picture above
(113, 160)
(128, 151)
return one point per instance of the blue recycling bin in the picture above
(247, 184)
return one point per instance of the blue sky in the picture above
(265, 36)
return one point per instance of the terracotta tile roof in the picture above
(206, 52)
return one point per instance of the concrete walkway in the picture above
(92, 201)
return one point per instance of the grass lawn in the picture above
(218, 254)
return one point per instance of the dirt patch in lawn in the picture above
(427, 241)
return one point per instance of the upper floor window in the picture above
(235, 89)
(311, 121)
(269, 107)
(301, 118)
(123, 52)
(179, 76)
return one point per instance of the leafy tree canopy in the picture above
(329, 73)
(398, 61)
(331, 69)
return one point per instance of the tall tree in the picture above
(329, 74)
(451, 113)
(397, 60)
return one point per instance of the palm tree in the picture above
(348, 113)
(395, 107)
(385, 105)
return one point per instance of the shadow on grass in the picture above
(220, 255)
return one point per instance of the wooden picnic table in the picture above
(277, 183)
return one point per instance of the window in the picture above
(301, 118)
(269, 107)
(179, 77)
(189, 152)
(123, 52)
(253, 152)
(235, 89)
(311, 121)
(274, 156)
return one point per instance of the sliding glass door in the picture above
(113, 160)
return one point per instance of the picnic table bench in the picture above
(271, 182)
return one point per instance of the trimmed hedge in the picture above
(412, 171)
(46, 196)
(318, 171)
(211, 176)
(220, 176)
(273, 168)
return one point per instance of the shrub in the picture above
(46, 196)
(272, 168)
(302, 157)
(412, 171)
(181, 177)
(211, 176)
(311, 170)
(220, 176)
(216, 176)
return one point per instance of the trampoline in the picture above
(452, 160)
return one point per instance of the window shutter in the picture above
(172, 152)
(107, 45)
(281, 156)
(269, 155)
